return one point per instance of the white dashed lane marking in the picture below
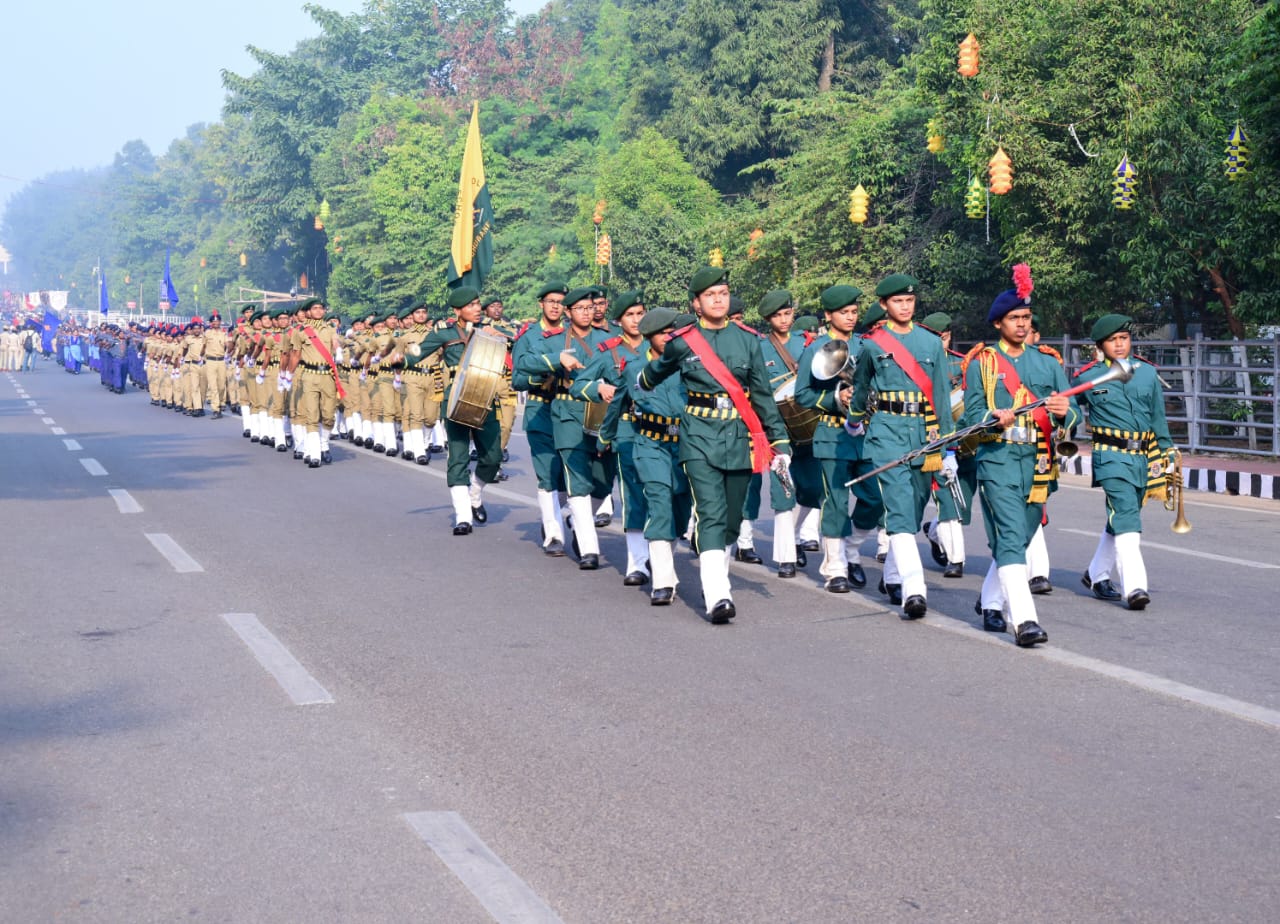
(181, 561)
(271, 653)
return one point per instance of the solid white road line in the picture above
(181, 561)
(31, 403)
(302, 688)
(72, 445)
(1181, 551)
(504, 894)
(58, 431)
(47, 421)
(93, 467)
(124, 500)
(38, 410)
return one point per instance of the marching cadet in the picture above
(538, 427)
(356, 403)
(840, 454)
(569, 358)
(241, 345)
(193, 368)
(617, 434)
(466, 490)
(1038, 549)
(254, 373)
(782, 349)
(416, 386)
(313, 355)
(953, 497)
(729, 428)
(1017, 468)
(215, 364)
(385, 397)
(907, 367)
(271, 351)
(1132, 455)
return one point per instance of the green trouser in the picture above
(1124, 505)
(1010, 519)
(835, 497)
(904, 490)
(942, 496)
(806, 476)
(634, 512)
(719, 496)
(666, 489)
(488, 442)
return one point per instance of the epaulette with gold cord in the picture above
(1050, 351)
(968, 357)
(609, 344)
(749, 330)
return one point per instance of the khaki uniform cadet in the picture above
(293, 384)
(250, 369)
(389, 382)
(541, 388)
(170, 359)
(416, 385)
(655, 454)
(508, 399)
(313, 354)
(271, 351)
(1132, 451)
(151, 347)
(899, 362)
(946, 531)
(241, 340)
(362, 352)
(378, 341)
(466, 490)
(717, 450)
(782, 348)
(573, 358)
(1016, 468)
(617, 433)
(354, 404)
(193, 368)
(840, 454)
(215, 364)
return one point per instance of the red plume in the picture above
(1022, 280)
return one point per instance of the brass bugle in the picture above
(1173, 496)
(832, 360)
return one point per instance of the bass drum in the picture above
(801, 422)
(478, 379)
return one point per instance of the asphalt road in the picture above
(492, 735)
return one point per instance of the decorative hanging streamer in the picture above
(1001, 168)
(1076, 138)
(974, 202)
(968, 66)
(858, 200)
(1237, 162)
(1122, 186)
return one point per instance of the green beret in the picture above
(249, 308)
(599, 291)
(1107, 325)
(897, 284)
(258, 313)
(580, 294)
(837, 297)
(872, 315)
(657, 319)
(547, 288)
(805, 322)
(774, 302)
(624, 300)
(705, 278)
(463, 296)
(306, 305)
(406, 310)
(736, 306)
(939, 322)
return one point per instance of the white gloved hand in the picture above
(260, 378)
(950, 467)
(249, 362)
(280, 386)
(337, 355)
(855, 429)
(781, 466)
(395, 383)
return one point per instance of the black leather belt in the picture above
(1119, 442)
(902, 407)
(312, 367)
(712, 402)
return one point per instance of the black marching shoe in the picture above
(378, 447)
(435, 449)
(326, 457)
(506, 456)
(269, 441)
(217, 415)
(423, 459)
(554, 549)
(857, 577)
(313, 463)
(787, 569)
(1040, 585)
(297, 454)
(589, 562)
(407, 455)
(838, 585)
(915, 607)
(1103, 590)
(802, 560)
(602, 520)
(462, 529)
(479, 514)
(1028, 634)
(359, 441)
(662, 596)
(894, 592)
(811, 545)
(252, 438)
(246, 434)
(954, 569)
(722, 612)
(288, 441)
(993, 620)
(282, 448)
(635, 579)
(392, 452)
(1138, 600)
(747, 555)
(939, 554)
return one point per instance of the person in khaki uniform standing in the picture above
(314, 353)
(215, 364)
(193, 368)
(416, 386)
(270, 352)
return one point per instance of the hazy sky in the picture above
(82, 80)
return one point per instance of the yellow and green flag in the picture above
(471, 256)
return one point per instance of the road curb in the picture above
(1203, 478)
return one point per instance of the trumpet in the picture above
(1173, 492)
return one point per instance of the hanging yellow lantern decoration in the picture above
(858, 200)
(302, 282)
(975, 203)
(937, 143)
(753, 246)
(1001, 169)
(1237, 162)
(244, 260)
(969, 56)
(552, 256)
(716, 257)
(604, 250)
(1122, 185)
(598, 215)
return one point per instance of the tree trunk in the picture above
(1228, 302)
(828, 64)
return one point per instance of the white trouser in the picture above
(637, 551)
(713, 566)
(834, 563)
(1038, 554)
(852, 543)
(906, 555)
(552, 519)
(476, 492)
(1133, 570)
(992, 596)
(1022, 606)
(584, 526)
(745, 533)
(809, 523)
(1104, 558)
(950, 535)
(461, 498)
(606, 507)
(784, 536)
(662, 563)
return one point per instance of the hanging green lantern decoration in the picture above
(1237, 162)
(975, 203)
(1122, 185)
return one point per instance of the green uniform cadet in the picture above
(715, 445)
(1132, 449)
(540, 389)
(574, 389)
(465, 489)
(840, 455)
(781, 360)
(1016, 467)
(904, 421)
(655, 455)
